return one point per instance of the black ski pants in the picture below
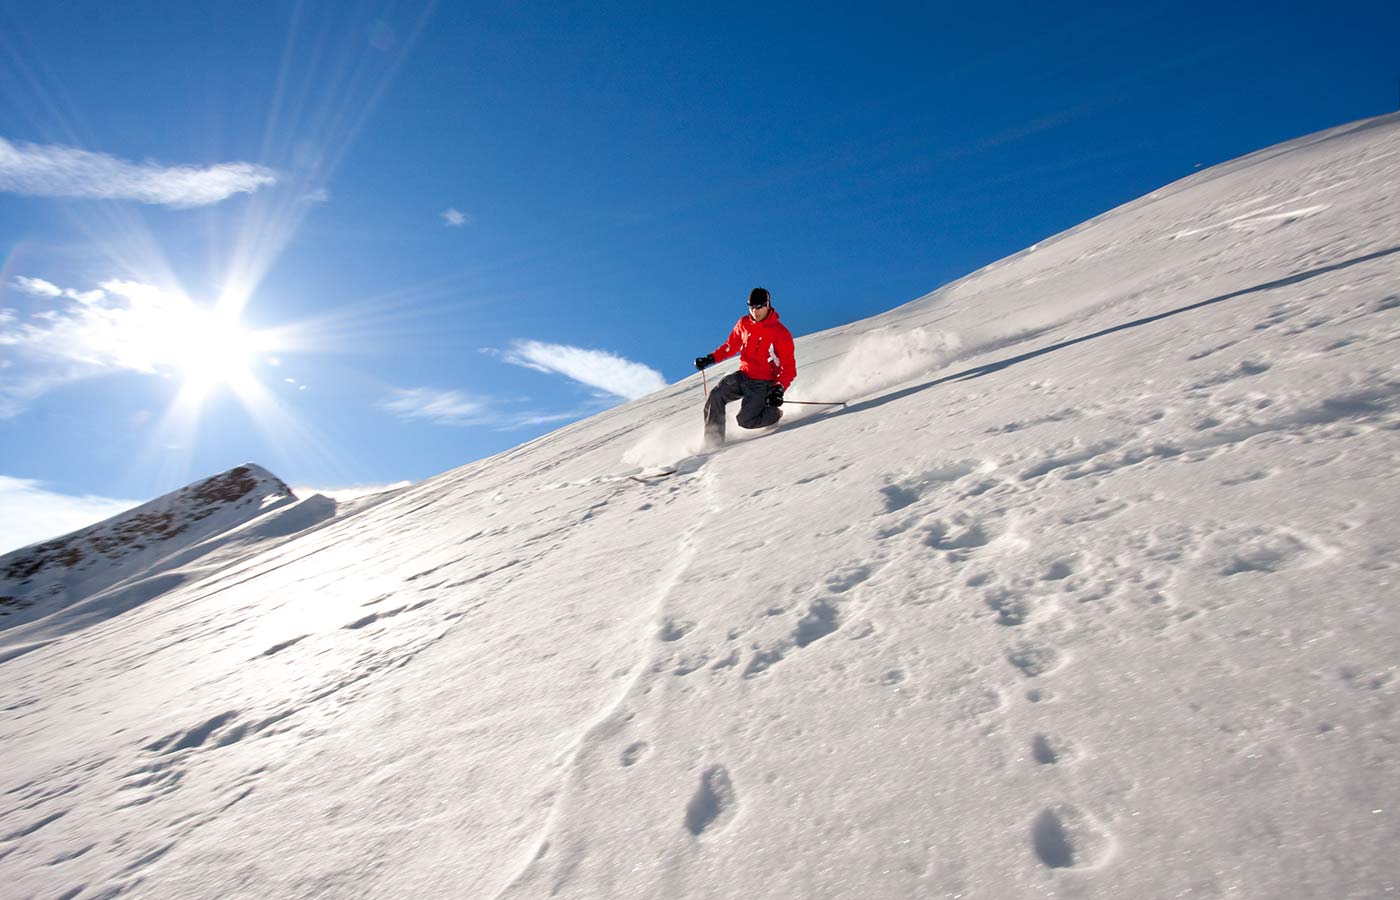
(754, 411)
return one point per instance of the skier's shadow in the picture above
(1000, 365)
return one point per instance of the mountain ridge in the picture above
(42, 578)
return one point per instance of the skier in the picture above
(766, 369)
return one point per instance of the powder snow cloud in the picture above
(47, 170)
(353, 492)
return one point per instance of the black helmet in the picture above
(759, 297)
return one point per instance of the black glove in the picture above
(705, 361)
(775, 395)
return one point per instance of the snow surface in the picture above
(1090, 593)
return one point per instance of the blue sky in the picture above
(365, 243)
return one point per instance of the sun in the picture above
(210, 352)
(211, 348)
(206, 347)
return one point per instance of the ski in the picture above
(653, 477)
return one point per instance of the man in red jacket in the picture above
(766, 369)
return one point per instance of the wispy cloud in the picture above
(30, 513)
(38, 287)
(462, 410)
(438, 406)
(598, 369)
(454, 218)
(122, 325)
(47, 170)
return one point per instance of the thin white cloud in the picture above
(86, 297)
(30, 513)
(40, 170)
(597, 369)
(454, 218)
(462, 410)
(38, 287)
(438, 406)
(121, 326)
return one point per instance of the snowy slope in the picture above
(1090, 593)
(55, 576)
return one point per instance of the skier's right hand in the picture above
(705, 361)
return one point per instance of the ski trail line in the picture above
(607, 721)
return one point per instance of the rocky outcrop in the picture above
(42, 578)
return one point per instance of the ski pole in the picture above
(816, 402)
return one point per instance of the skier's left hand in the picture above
(775, 395)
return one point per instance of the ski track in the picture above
(615, 714)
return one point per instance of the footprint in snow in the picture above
(1060, 569)
(955, 537)
(713, 804)
(1048, 750)
(848, 578)
(1034, 661)
(1066, 837)
(1261, 551)
(633, 754)
(674, 630)
(1012, 609)
(821, 619)
(913, 487)
(196, 736)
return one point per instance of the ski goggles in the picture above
(758, 305)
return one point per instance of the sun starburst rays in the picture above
(178, 297)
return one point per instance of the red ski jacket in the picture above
(764, 348)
